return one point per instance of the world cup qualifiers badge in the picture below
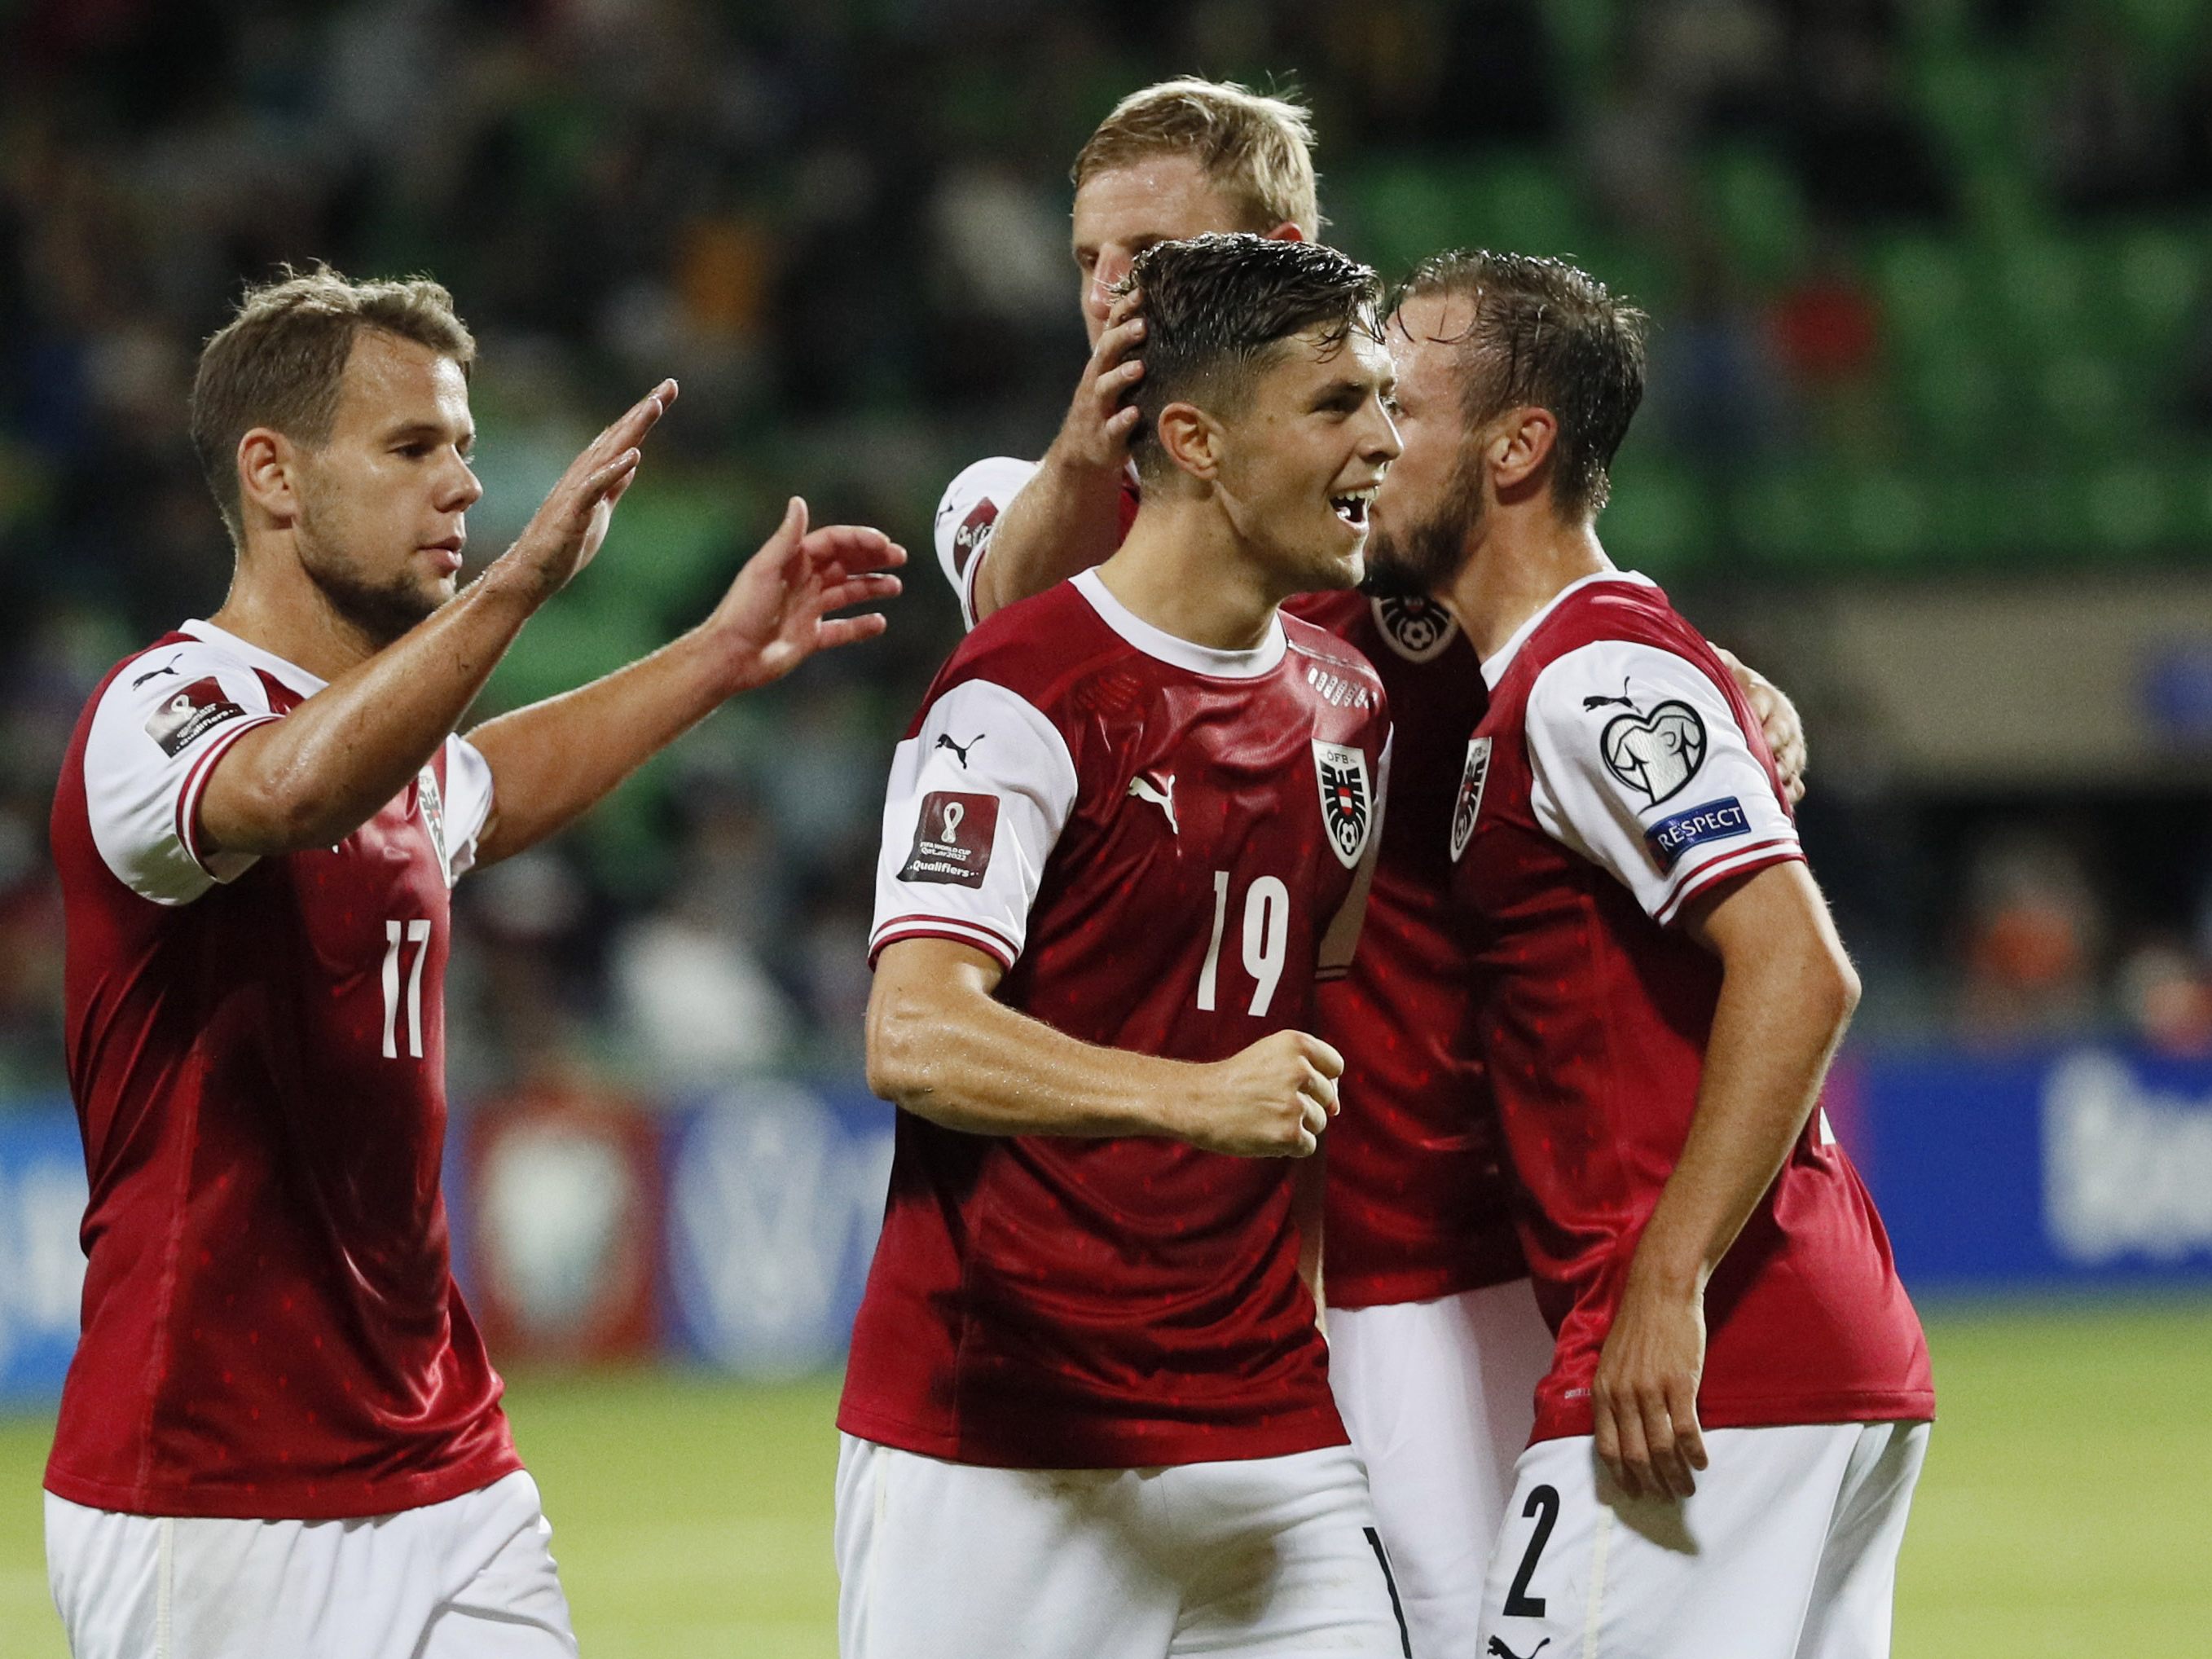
(953, 839)
(189, 713)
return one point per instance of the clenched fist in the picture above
(1272, 1100)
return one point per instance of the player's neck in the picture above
(273, 604)
(1182, 570)
(1527, 559)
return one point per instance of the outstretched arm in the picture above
(1787, 991)
(1068, 516)
(556, 759)
(314, 777)
(942, 1047)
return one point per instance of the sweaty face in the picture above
(1120, 212)
(1429, 513)
(1301, 460)
(381, 504)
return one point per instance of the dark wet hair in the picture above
(1217, 308)
(1545, 334)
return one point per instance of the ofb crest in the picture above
(1469, 800)
(1347, 799)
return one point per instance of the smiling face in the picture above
(1121, 211)
(1302, 455)
(381, 503)
(1429, 514)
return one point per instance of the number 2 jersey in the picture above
(1419, 1202)
(1618, 774)
(1162, 845)
(257, 1051)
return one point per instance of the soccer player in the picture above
(279, 1434)
(1727, 1441)
(1437, 1344)
(1087, 1411)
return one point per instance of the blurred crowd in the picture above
(844, 226)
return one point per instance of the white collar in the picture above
(1494, 666)
(294, 676)
(1181, 652)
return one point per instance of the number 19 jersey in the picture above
(1164, 846)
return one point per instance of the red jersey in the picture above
(257, 1051)
(1618, 773)
(1418, 1201)
(1420, 1205)
(1164, 845)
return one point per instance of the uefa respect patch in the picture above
(953, 839)
(1716, 820)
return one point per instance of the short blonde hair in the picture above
(279, 362)
(1257, 148)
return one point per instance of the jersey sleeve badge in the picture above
(1655, 754)
(1347, 799)
(189, 713)
(953, 839)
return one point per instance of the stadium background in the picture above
(1929, 439)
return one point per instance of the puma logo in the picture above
(156, 674)
(960, 750)
(1143, 788)
(1620, 701)
(1498, 1650)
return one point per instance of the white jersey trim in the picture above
(1494, 666)
(997, 480)
(1181, 652)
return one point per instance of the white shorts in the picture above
(1788, 1550)
(1439, 1398)
(469, 1578)
(1274, 1556)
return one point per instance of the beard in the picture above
(382, 610)
(1432, 550)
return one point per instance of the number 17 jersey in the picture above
(1162, 845)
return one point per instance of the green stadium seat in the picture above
(2156, 277)
(2133, 508)
(1659, 521)
(1957, 400)
(2044, 286)
(2081, 401)
(1759, 212)
(1775, 516)
(1924, 290)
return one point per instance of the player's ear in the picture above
(1287, 231)
(1192, 439)
(1522, 444)
(266, 460)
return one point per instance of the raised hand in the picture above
(1270, 1100)
(776, 613)
(1095, 435)
(565, 532)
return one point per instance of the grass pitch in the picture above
(2067, 1506)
